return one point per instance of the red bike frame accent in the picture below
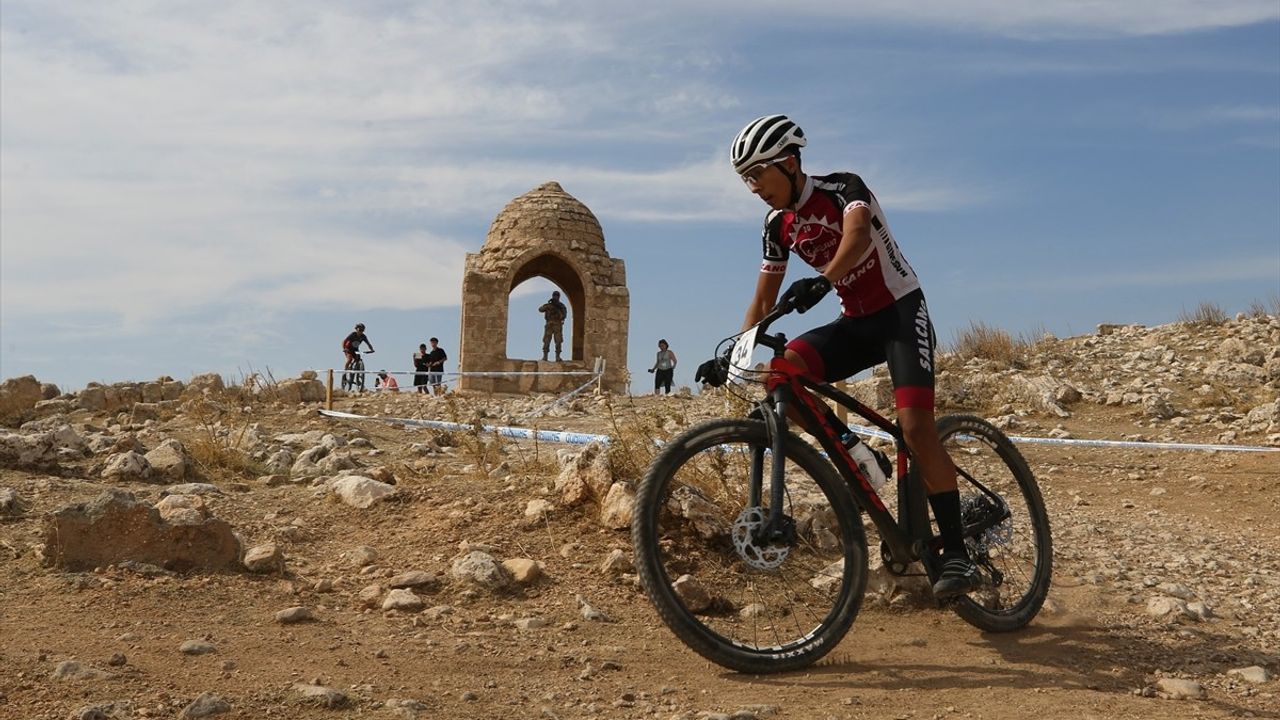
(784, 372)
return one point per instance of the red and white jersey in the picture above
(814, 230)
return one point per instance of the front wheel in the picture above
(748, 604)
(1012, 546)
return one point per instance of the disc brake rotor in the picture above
(768, 557)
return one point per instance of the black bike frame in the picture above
(907, 538)
(355, 373)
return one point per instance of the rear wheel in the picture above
(746, 604)
(1013, 552)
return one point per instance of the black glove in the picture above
(713, 372)
(805, 293)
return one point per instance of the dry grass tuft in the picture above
(221, 427)
(634, 440)
(483, 449)
(1206, 313)
(980, 340)
(1269, 308)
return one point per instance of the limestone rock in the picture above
(692, 593)
(196, 647)
(301, 390)
(144, 411)
(617, 563)
(616, 509)
(537, 509)
(402, 599)
(265, 558)
(75, 670)
(413, 579)
(370, 595)
(205, 705)
(18, 450)
(295, 614)
(11, 504)
(280, 462)
(523, 571)
(1167, 607)
(320, 695)
(363, 555)
(128, 467)
(203, 489)
(18, 398)
(206, 383)
(1255, 674)
(115, 527)
(480, 568)
(182, 509)
(1179, 689)
(306, 464)
(170, 461)
(584, 476)
(361, 492)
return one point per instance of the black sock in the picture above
(946, 509)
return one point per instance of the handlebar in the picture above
(776, 342)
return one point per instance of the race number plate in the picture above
(740, 358)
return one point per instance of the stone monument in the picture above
(545, 233)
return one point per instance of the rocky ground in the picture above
(185, 549)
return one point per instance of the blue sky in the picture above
(229, 186)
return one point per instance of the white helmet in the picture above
(764, 138)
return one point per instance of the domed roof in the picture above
(545, 214)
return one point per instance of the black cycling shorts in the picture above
(900, 334)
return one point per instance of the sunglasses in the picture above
(751, 176)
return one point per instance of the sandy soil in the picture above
(1215, 528)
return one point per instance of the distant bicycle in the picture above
(353, 377)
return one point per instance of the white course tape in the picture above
(563, 398)
(572, 438)
(878, 433)
(577, 438)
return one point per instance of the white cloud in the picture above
(163, 157)
(1018, 18)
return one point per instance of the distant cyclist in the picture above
(351, 345)
(836, 226)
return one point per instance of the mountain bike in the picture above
(353, 377)
(750, 544)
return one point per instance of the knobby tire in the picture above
(748, 619)
(1022, 547)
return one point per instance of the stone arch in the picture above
(560, 270)
(544, 233)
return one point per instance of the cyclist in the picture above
(834, 223)
(351, 345)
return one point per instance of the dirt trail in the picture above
(1213, 526)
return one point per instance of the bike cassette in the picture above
(767, 557)
(975, 509)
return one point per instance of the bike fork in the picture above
(776, 425)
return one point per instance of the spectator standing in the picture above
(554, 313)
(664, 368)
(435, 366)
(421, 364)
